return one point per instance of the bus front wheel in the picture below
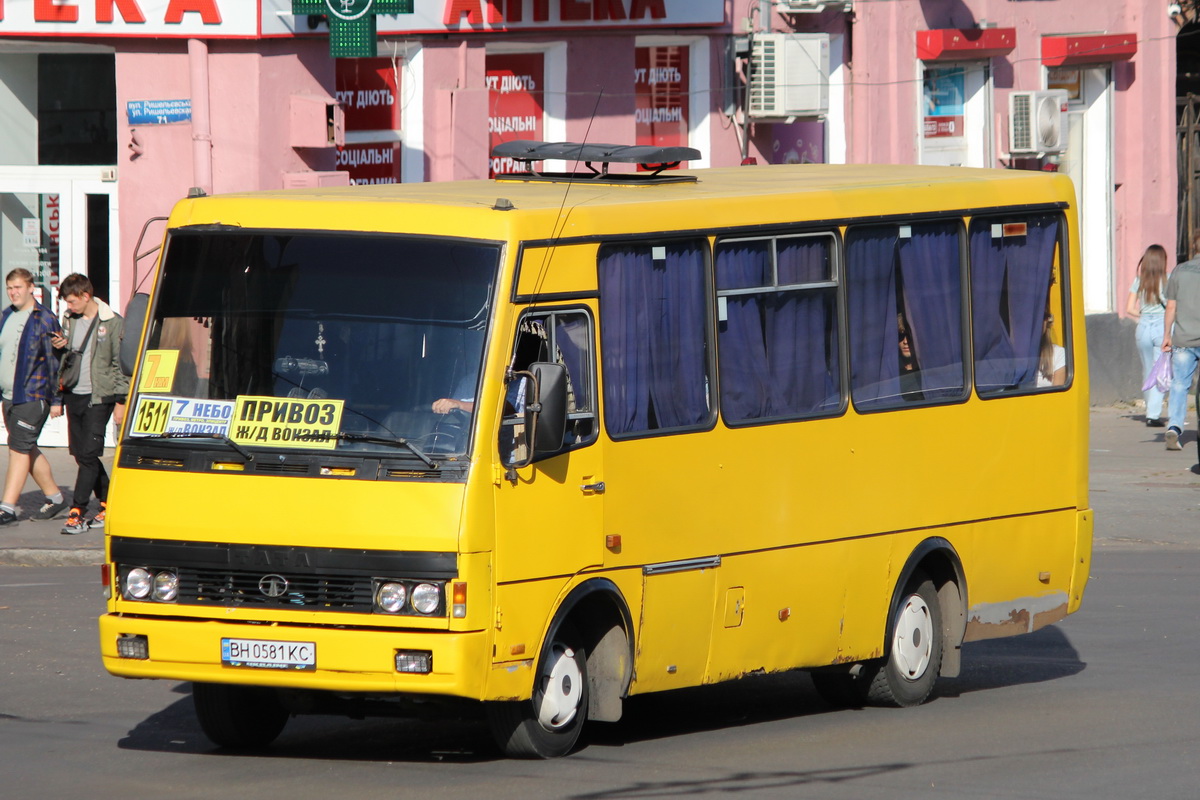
(906, 676)
(548, 724)
(238, 717)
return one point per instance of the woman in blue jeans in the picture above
(1147, 305)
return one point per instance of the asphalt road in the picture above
(1102, 705)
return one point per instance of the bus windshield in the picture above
(331, 341)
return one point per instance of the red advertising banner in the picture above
(660, 85)
(367, 90)
(370, 163)
(515, 103)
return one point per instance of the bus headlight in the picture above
(425, 598)
(391, 597)
(137, 584)
(166, 586)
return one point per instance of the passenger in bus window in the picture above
(910, 378)
(1052, 361)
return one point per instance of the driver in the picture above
(462, 399)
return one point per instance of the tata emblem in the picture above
(273, 585)
(352, 22)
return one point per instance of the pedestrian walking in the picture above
(1148, 306)
(1181, 337)
(93, 393)
(28, 366)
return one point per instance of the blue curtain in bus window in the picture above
(777, 347)
(874, 342)
(931, 270)
(1030, 269)
(570, 337)
(652, 316)
(802, 332)
(1010, 285)
(994, 364)
(745, 370)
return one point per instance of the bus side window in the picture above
(904, 285)
(563, 337)
(777, 327)
(653, 324)
(1014, 292)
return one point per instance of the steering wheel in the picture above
(448, 432)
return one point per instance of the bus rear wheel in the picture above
(906, 677)
(238, 717)
(549, 723)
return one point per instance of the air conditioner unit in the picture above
(1037, 122)
(789, 75)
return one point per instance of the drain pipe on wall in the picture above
(201, 128)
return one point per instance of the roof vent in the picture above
(654, 160)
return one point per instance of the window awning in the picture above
(1092, 48)
(964, 44)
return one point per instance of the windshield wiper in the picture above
(364, 437)
(219, 437)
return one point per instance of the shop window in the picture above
(516, 103)
(77, 109)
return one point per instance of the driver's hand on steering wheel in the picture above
(445, 405)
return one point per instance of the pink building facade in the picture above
(234, 95)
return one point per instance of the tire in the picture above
(238, 717)
(906, 677)
(549, 723)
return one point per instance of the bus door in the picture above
(549, 515)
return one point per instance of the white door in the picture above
(55, 221)
(1088, 160)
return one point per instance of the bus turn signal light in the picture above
(458, 594)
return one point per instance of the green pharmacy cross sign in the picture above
(352, 22)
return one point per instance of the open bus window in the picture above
(563, 337)
(383, 324)
(777, 327)
(1018, 302)
(906, 313)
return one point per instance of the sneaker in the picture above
(50, 510)
(7, 517)
(1172, 438)
(75, 522)
(98, 520)
(1154, 423)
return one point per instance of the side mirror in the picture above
(131, 339)
(550, 412)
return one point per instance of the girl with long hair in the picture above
(1147, 305)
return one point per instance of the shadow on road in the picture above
(1046, 655)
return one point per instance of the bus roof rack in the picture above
(649, 157)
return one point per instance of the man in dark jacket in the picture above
(28, 382)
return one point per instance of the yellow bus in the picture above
(543, 443)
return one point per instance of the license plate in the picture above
(265, 654)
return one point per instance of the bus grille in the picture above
(236, 587)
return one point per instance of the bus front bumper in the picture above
(343, 659)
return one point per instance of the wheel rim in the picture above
(562, 688)
(912, 644)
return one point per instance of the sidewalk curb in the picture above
(43, 557)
